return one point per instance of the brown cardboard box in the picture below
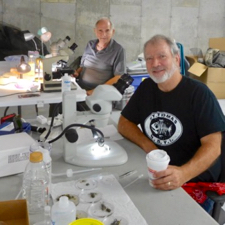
(213, 77)
(14, 212)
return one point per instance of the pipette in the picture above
(70, 172)
(140, 176)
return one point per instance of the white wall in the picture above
(190, 22)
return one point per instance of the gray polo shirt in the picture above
(100, 66)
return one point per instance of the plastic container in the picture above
(35, 184)
(138, 79)
(66, 82)
(87, 221)
(63, 212)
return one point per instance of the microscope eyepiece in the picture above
(124, 82)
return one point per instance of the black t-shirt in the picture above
(176, 121)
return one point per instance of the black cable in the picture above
(76, 125)
(6, 109)
(52, 120)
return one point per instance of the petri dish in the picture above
(115, 220)
(73, 198)
(86, 184)
(101, 209)
(81, 214)
(90, 197)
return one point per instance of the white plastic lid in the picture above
(158, 155)
(63, 202)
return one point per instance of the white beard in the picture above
(166, 76)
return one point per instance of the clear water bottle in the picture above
(48, 164)
(63, 211)
(47, 220)
(36, 183)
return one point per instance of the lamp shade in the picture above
(28, 36)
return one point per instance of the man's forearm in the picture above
(130, 131)
(204, 157)
(113, 80)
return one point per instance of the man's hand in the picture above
(76, 74)
(169, 179)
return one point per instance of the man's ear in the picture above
(177, 59)
(113, 32)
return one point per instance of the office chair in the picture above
(219, 199)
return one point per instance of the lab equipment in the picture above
(36, 184)
(138, 66)
(63, 211)
(14, 155)
(133, 181)
(55, 65)
(90, 153)
(70, 172)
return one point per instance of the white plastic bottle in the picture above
(35, 183)
(63, 212)
(66, 82)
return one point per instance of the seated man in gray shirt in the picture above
(103, 61)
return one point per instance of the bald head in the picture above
(105, 20)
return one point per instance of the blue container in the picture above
(138, 79)
(26, 128)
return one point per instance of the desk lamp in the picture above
(30, 36)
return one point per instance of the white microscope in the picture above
(96, 152)
(55, 65)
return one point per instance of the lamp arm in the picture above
(76, 125)
(35, 44)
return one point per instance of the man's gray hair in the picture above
(107, 19)
(159, 37)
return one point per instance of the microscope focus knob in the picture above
(96, 107)
(47, 77)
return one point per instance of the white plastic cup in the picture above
(157, 160)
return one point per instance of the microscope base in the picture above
(87, 155)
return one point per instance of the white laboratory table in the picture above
(9, 97)
(158, 207)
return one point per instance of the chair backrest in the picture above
(222, 175)
(182, 59)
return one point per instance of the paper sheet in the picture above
(111, 192)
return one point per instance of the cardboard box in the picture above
(14, 153)
(14, 212)
(213, 77)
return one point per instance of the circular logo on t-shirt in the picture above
(163, 128)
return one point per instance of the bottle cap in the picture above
(36, 157)
(63, 201)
